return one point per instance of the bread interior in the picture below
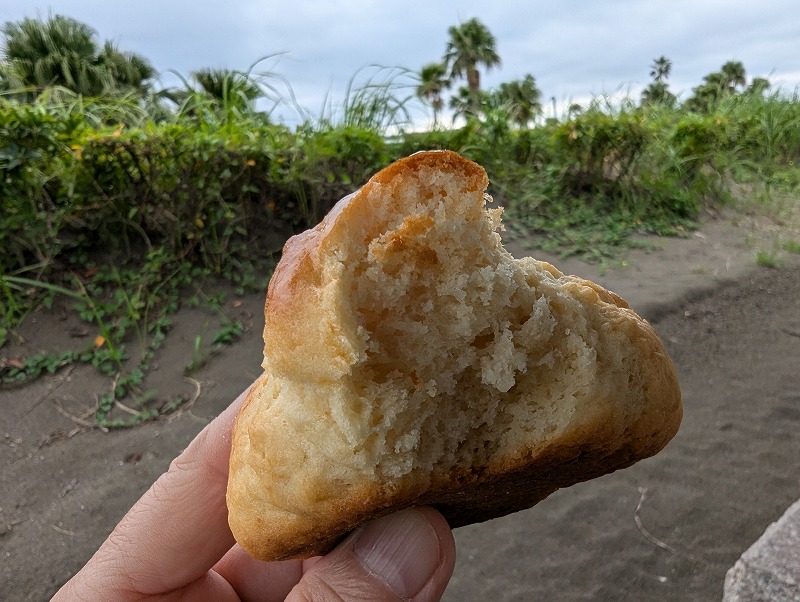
(465, 353)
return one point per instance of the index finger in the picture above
(179, 528)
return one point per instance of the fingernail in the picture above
(401, 549)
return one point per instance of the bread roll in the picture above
(410, 359)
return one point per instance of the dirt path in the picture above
(733, 329)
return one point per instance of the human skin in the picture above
(175, 544)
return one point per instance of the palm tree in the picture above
(471, 44)
(229, 88)
(574, 110)
(63, 52)
(733, 75)
(461, 103)
(758, 85)
(660, 69)
(522, 99)
(58, 52)
(9, 78)
(130, 71)
(433, 81)
(707, 93)
(716, 85)
(657, 92)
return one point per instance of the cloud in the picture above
(573, 48)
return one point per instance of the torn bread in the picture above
(410, 359)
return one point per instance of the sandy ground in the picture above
(665, 529)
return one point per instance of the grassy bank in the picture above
(126, 215)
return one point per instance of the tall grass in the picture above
(219, 97)
(767, 130)
(376, 98)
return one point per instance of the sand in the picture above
(665, 529)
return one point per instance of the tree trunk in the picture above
(474, 84)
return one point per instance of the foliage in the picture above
(657, 92)
(33, 154)
(229, 88)
(222, 95)
(376, 100)
(599, 150)
(720, 85)
(767, 259)
(433, 81)
(522, 99)
(325, 165)
(63, 52)
(470, 45)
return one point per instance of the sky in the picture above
(576, 50)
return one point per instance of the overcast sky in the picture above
(574, 49)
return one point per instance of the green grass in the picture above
(127, 308)
(768, 259)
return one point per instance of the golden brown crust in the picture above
(292, 491)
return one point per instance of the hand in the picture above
(175, 544)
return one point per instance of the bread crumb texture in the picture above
(406, 342)
(456, 335)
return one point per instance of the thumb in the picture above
(404, 556)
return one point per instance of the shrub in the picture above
(34, 154)
(599, 151)
(323, 165)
